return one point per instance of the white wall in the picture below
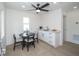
(2, 27)
(1, 20)
(71, 27)
(14, 19)
(2, 24)
(54, 20)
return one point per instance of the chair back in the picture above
(31, 36)
(14, 38)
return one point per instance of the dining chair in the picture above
(30, 41)
(17, 42)
(36, 37)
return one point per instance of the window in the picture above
(25, 23)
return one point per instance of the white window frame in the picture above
(25, 23)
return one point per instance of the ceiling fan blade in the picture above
(34, 6)
(44, 10)
(45, 5)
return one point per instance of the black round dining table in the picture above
(25, 37)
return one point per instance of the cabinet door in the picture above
(51, 38)
(57, 41)
(46, 36)
(40, 35)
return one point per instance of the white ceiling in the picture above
(66, 6)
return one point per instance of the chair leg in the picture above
(37, 40)
(34, 44)
(14, 47)
(22, 45)
(27, 47)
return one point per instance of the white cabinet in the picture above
(52, 38)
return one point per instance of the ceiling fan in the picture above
(39, 8)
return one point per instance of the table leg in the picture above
(23, 44)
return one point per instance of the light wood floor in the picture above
(43, 49)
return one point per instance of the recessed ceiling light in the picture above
(23, 6)
(75, 7)
(54, 2)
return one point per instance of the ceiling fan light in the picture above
(37, 10)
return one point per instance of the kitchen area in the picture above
(51, 29)
(51, 37)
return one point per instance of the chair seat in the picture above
(31, 40)
(18, 43)
(18, 40)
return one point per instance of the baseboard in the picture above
(72, 42)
